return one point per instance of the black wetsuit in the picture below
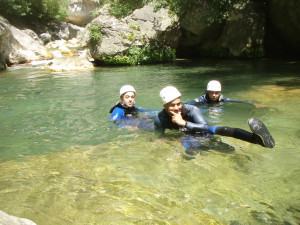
(197, 124)
(204, 99)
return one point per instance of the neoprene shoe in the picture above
(258, 128)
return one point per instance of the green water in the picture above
(63, 162)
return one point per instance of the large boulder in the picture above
(19, 46)
(141, 28)
(239, 32)
(6, 219)
(26, 47)
(5, 45)
(81, 11)
(243, 31)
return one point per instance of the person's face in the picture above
(128, 98)
(213, 95)
(174, 106)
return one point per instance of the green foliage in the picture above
(131, 36)
(33, 10)
(123, 8)
(95, 34)
(134, 26)
(252, 53)
(142, 55)
(218, 9)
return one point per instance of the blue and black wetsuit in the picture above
(128, 116)
(197, 124)
(204, 99)
(120, 112)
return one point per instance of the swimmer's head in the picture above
(214, 85)
(168, 94)
(214, 90)
(127, 95)
(126, 88)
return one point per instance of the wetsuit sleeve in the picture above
(158, 125)
(147, 110)
(196, 121)
(200, 100)
(192, 102)
(237, 101)
(117, 114)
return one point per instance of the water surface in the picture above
(63, 162)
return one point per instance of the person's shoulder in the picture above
(187, 106)
(162, 113)
(117, 109)
(203, 98)
(117, 114)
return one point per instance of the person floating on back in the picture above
(213, 95)
(190, 120)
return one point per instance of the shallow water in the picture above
(63, 162)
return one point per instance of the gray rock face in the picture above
(6, 219)
(26, 47)
(80, 11)
(242, 32)
(138, 29)
(5, 45)
(19, 46)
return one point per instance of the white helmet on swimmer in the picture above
(126, 88)
(168, 94)
(213, 85)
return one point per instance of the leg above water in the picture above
(259, 129)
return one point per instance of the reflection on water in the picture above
(63, 162)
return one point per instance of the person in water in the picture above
(125, 107)
(213, 95)
(125, 113)
(190, 120)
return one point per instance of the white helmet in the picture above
(126, 88)
(213, 85)
(168, 94)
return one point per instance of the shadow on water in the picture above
(290, 84)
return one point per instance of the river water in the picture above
(63, 162)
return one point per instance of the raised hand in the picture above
(177, 118)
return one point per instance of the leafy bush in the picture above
(252, 53)
(33, 10)
(141, 55)
(123, 8)
(95, 34)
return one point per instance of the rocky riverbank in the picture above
(242, 35)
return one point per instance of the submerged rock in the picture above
(68, 64)
(6, 219)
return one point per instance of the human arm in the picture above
(196, 121)
(191, 102)
(200, 100)
(117, 114)
(158, 126)
(191, 118)
(147, 110)
(238, 101)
